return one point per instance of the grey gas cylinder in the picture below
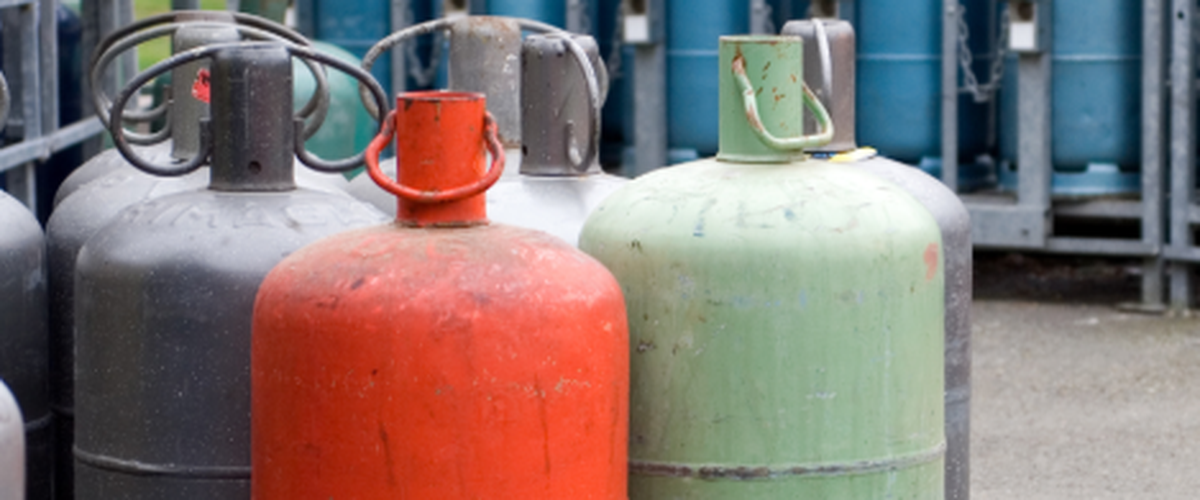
(952, 218)
(23, 344)
(560, 181)
(165, 292)
(485, 57)
(189, 29)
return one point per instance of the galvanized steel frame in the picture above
(1181, 251)
(1026, 222)
(30, 27)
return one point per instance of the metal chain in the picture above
(981, 93)
(421, 74)
(764, 11)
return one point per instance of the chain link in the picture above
(981, 93)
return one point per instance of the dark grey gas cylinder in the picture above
(560, 181)
(952, 218)
(23, 338)
(165, 293)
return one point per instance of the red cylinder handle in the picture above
(381, 141)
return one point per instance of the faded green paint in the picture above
(781, 316)
(775, 67)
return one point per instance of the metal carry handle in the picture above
(164, 24)
(750, 100)
(381, 141)
(429, 27)
(581, 163)
(122, 143)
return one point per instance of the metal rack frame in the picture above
(30, 32)
(1026, 221)
(1181, 251)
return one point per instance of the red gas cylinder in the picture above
(440, 357)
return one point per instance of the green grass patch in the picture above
(157, 50)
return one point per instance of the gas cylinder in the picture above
(183, 121)
(952, 218)
(785, 314)
(94, 205)
(1096, 91)
(23, 348)
(12, 448)
(485, 57)
(441, 356)
(560, 179)
(164, 293)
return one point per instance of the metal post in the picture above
(21, 33)
(1183, 158)
(185, 4)
(950, 13)
(401, 18)
(760, 18)
(1152, 150)
(649, 107)
(1034, 137)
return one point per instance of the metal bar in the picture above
(1152, 148)
(1183, 158)
(649, 107)
(41, 148)
(1034, 137)
(185, 4)
(950, 13)
(401, 18)
(1101, 246)
(48, 63)
(1181, 256)
(1101, 209)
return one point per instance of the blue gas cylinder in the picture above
(899, 79)
(693, 29)
(355, 25)
(1096, 58)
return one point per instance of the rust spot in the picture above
(357, 284)
(793, 78)
(766, 66)
(389, 463)
(779, 96)
(644, 346)
(754, 121)
(931, 261)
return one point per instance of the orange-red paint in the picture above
(479, 361)
(931, 261)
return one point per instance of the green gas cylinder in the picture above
(785, 315)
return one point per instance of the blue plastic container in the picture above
(693, 31)
(899, 79)
(1096, 91)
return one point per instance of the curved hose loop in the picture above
(581, 163)
(387, 131)
(365, 79)
(750, 100)
(826, 60)
(425, 28)
(251, 26)
(5, 100)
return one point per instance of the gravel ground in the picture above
(1074, 399)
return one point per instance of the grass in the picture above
(157, 50)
